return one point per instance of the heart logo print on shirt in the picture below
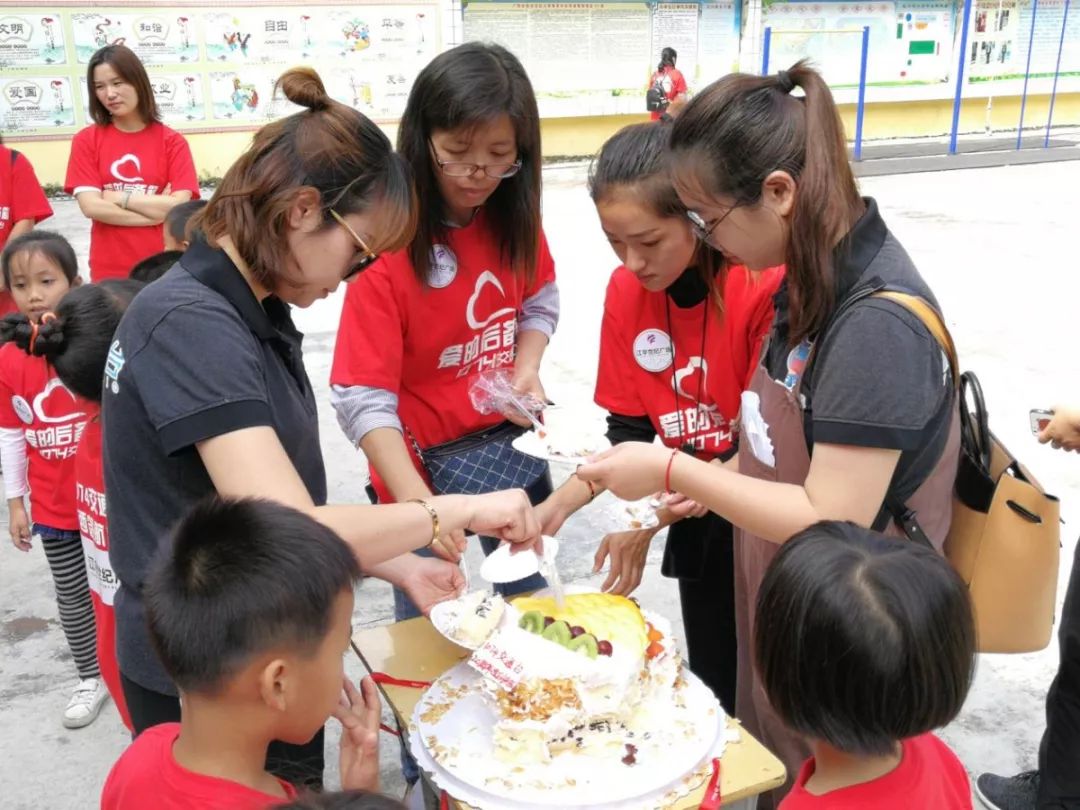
(486, 278)
(127, 163)
(56, 404)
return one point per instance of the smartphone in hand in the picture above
(1039, 420)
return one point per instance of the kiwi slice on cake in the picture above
(584, 644)
(532, 621)
(559, 632)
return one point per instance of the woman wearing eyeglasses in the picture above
(205, 388)
(679, 338)
(473, 291)
(853, 414)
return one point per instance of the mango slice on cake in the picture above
(604, 615)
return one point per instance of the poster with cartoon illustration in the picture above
(93, 31)
(262, 36)
(179, 96)
(247, 95)
(31, 40)
(165, 38)
(29, 104)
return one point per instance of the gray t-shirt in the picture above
(879, 378)
(196, 356)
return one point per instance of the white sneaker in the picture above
(85, 704)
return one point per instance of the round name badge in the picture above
(22, 409)
(443, 267)
(652, 350)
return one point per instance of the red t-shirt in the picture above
(94, 528)
(21, 196)
(674, 84)
(642, 373)
(929, 775)
(147, 775)
(33, 399)
(104, 158)
(426, 343)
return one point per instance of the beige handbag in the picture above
(1005, 536)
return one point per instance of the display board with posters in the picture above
(596, 58)
(212, 67)
(1000, 32)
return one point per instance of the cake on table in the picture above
(592, 676)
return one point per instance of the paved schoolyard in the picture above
(999, 246)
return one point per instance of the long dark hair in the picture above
(76, 342)
(130, 68)
(463, 87)
(328, 147)
(738, 130)
(637, 158)
(667, 58)
(862, 640)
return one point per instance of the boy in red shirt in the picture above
(250, 613)
(864, 645)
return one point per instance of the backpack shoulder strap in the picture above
(932, 320)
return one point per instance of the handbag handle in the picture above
(974, 424)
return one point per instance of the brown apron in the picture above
(783, 413)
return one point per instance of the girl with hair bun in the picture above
(205, 389)
(76, 345)
(41, 422)
(852, 403)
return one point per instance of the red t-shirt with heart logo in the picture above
(104, 158)
(425, 343)
(33, 399)
(648, 368)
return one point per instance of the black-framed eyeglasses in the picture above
(365, 261)
(702, 229)
(457, 168)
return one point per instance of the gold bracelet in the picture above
(434, 519)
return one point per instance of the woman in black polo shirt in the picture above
(852, 404)
(205, 389)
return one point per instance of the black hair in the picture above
(50, 244)
(76, 342)
(862, 640)
(241, 577)
(128, 67)
(468, 86)
(740, 129)
(177, 219)
(343, 800)
(667, 58)
(154, 267)
(637, 158)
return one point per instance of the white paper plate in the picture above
(531, 444)
(444, 617)
(451, 736)
(502, 566)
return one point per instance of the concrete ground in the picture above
(999, 247)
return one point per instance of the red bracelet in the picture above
(667, 474)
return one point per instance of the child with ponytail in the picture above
(76, 344)
(41, 423)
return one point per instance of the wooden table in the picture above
(414, 650)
